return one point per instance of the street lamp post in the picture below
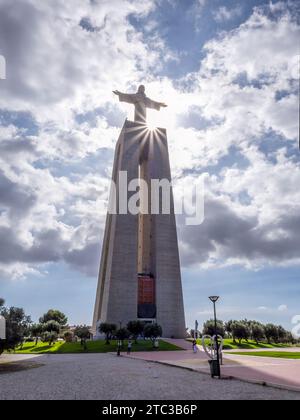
(214, 299)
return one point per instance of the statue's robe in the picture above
(141, 102)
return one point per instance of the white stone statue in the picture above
(141, 102)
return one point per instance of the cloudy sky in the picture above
(227, 69)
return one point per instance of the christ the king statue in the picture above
(141, 102)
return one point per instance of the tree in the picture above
(51, 326)
(17, 327)
(49, 337)
(257, 332)
(51, 330)
(122, 334)
(209, 328)
(83, 333)
(36, 330)
(54, 315)
(152, 331)
(290, 338)
(68, 336)
(282, 335)
(271, 333)
(228, 327)
(135, 328)
(107, 329)
(2, 301)
(240, 331)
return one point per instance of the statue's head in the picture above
(141, 89)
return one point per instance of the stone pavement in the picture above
(179, 342)
(279, 349)
(283, 373)
(13, 358)
(279, 372)
(109, 377)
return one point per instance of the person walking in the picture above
(195, 348)
(129, 346)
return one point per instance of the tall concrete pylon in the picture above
(139, 275)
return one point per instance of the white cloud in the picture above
(66, 64)
(224, 13)
(58, 67)
(261, 45)
(58, 175)
(249, 217)
(282, 308)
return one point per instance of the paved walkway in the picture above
(277, 350)
(277, 372)
(280, 372)
(184, 344)
(108, 377)
(9, 358)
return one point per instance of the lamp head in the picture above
(214, 299)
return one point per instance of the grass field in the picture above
(92, 347)
(275, 354)
(250, 345)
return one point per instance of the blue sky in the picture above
(185, 26)
(228, 71)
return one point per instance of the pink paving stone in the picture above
(282, 372)
(265, 369)
(179, 342)
(169, 355)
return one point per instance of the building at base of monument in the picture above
(139, 275)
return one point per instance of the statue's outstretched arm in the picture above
(125, 97)
(154, 104)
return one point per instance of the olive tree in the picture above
(107, 329)
(240, 331)
(136, 328)
(152, 331)
(257, 332)
(83, 333)
(209, 328)
(36, 331)
(271, 333)
(51, 330)
(122, 334)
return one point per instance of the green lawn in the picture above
(276, 354)
(250, 345)
(93, 347)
